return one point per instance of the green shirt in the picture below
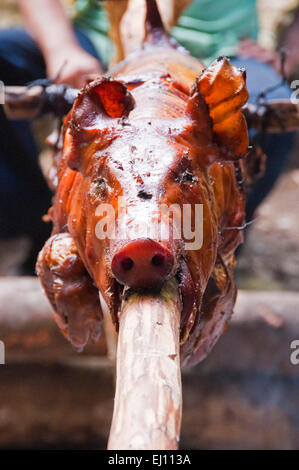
(92, 19)
(207, 28)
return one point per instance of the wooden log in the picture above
(27, 326)
(268, 320)
(244, 395)
(21, 102)
(65, 405)
(275, 116)
(148, 399)
(259, 336)
(69, 405)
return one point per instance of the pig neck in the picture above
(159, 60)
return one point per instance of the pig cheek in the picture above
(94, 252)
(205, 256)
(99, 239)
(202, 260)
(77, 219)
(72, 150)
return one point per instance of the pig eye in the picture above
(182, 172)
(187, 176)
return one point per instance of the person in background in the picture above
(211, 29)
(51, 46)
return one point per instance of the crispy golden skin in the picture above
(163, 126)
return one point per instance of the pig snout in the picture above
(142, 263)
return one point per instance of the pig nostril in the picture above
(157, 260)
(142, 263)
(127, 264)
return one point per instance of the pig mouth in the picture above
(186, 290)
(143, 263)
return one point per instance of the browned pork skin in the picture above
(159, 130)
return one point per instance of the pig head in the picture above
(150, 188)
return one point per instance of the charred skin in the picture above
(160, 130)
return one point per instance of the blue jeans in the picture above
(277, 147)
(24, 193)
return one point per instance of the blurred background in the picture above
(245, 395)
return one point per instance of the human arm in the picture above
(52, 30)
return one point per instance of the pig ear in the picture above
(223, 88)
(113, 96)
(102, 99)
(96, 105)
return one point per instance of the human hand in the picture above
(72, 66)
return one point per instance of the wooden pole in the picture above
(274, 116)
(21, 102)
(148, 399)
(267, 319)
